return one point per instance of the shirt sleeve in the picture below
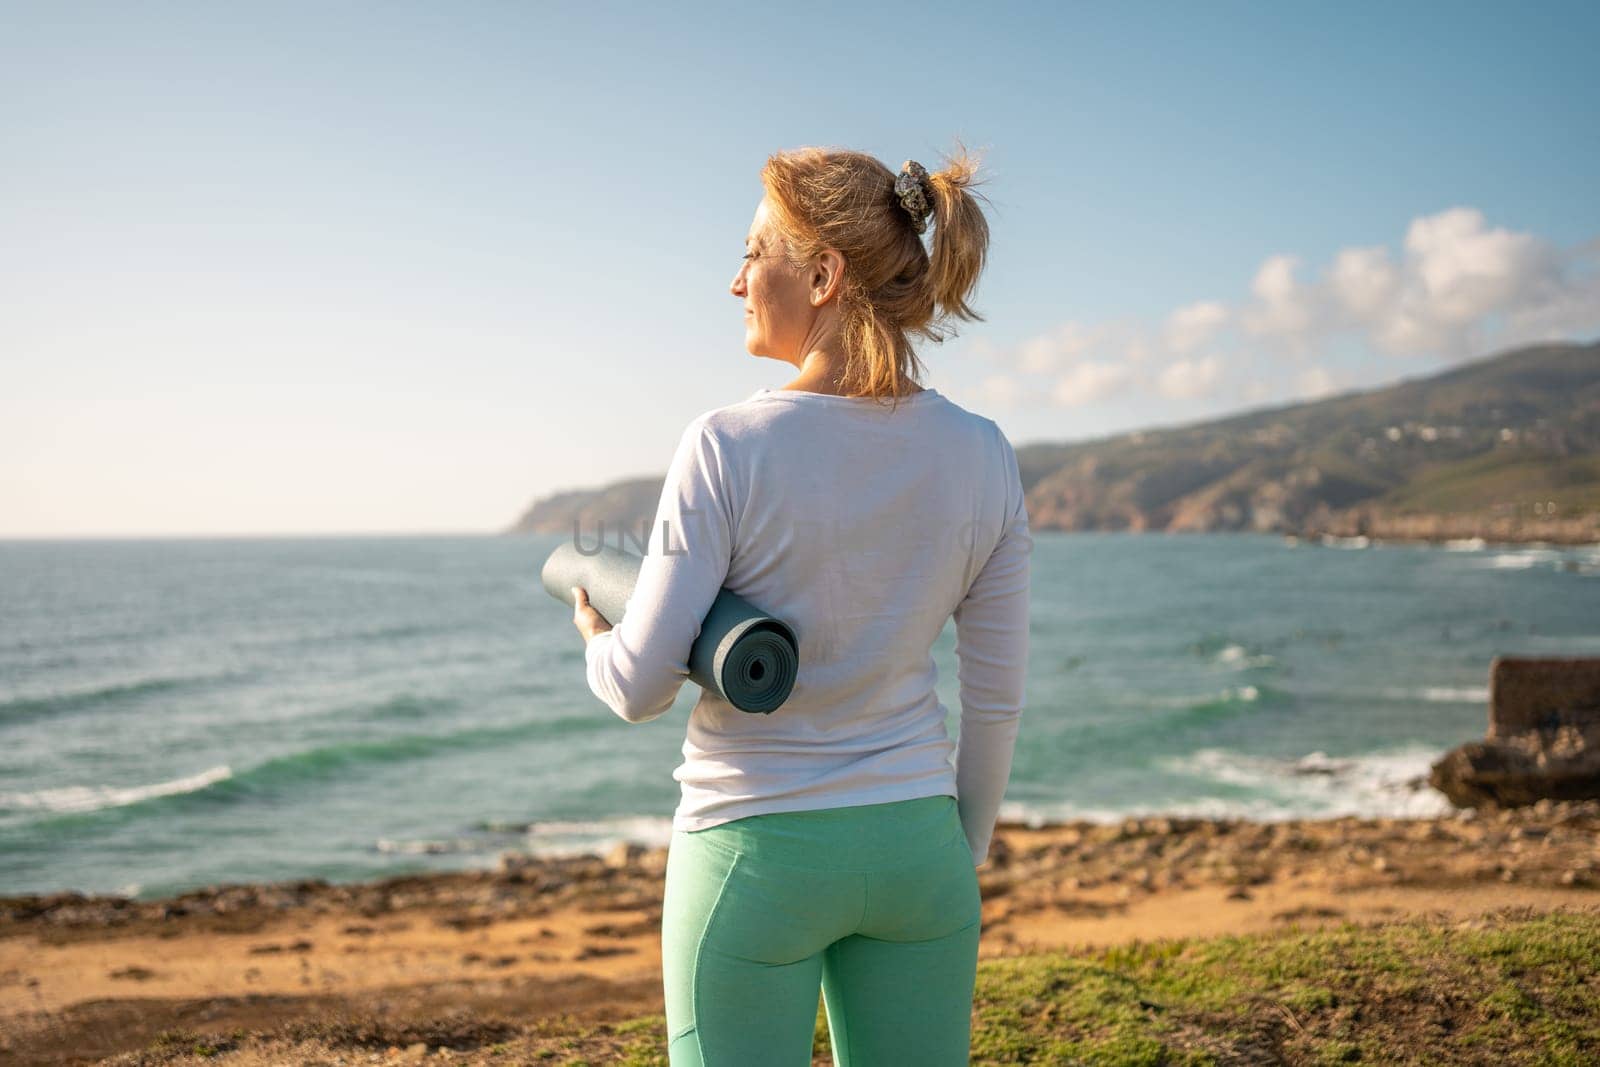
(638, 666)
(992, 660)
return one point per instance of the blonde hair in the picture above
(894, 287)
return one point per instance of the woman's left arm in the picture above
(638, 666)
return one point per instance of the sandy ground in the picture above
(82, 977)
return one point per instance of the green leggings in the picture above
(877, 905)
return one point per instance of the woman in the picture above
(832, 843)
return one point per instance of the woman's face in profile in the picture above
(777, 306)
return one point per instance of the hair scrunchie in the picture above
(915, 193)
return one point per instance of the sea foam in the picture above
(81, 798)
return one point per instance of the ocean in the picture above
(178, 713)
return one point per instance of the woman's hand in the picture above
(589, 622)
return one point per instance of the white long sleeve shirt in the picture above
(864, 529)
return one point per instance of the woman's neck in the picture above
(820, 372)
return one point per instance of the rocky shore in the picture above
(1567, 531)
(85, 977)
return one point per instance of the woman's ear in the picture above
(827, 275)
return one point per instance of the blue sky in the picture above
(293, 268)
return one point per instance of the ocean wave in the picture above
(552, 838)
(1219, 703)
(437, 847)
(1465, 544)
(335, 761)
(1390, 782)
(1038, 814)
(1519, 560)
(406, 706)
(85, 798)
(22, 709)
(575, 837)
(1228, 701)
(1585, 561)
(295, 770)
(1238, 657)
(1441, 694)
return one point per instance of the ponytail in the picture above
(960, 237)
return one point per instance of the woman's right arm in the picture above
(992, 660)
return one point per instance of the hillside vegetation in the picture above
(1504, 448)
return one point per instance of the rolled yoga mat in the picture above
(743, 655)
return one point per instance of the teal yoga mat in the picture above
(743, 655)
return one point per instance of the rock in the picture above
(1523, 770)
(516, 862)
(624, 854)
(1543, 743)
(1527, 693)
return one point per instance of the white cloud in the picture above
(1090, 381)
(1364, 282)
(1054, 351)
(1467, 270)
(1041, 354)
(1460, 288)
(1189, 378)
(1315, 382)
(1193, 325)
(1284, 309)
(1085, 362)
(1136, 348)
(1454, 287)
(1568, 312)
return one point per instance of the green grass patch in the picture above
(1522, 991)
